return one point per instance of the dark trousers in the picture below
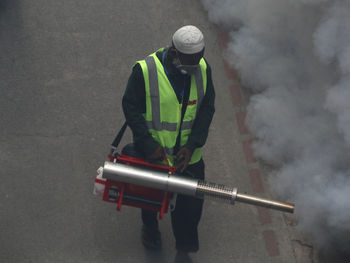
(186, 216)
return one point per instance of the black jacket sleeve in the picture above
(134, 105)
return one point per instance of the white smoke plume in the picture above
(295, 57)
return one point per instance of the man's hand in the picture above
(182, 159)
(157, 155)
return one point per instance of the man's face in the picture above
(192, 59)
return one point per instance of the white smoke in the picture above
(295, 56)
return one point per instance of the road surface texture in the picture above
(64, 67)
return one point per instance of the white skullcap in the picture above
(188, 40)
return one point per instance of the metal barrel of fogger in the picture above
(186, 186)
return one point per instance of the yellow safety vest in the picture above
(163, 110)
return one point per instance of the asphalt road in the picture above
(64, 67)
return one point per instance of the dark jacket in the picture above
(134, 105)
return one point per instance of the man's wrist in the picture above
(190, 147)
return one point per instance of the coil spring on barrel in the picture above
(217, 191)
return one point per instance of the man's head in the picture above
(188, 45)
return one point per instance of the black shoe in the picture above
(151, 238)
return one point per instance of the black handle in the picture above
(119, 136)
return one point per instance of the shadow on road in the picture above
(159, 257)
(182, 258)
(155, 256)
(7, 4)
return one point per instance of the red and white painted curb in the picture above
(238, 103)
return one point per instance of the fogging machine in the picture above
(132, 181)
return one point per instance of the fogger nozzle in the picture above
(184, 185)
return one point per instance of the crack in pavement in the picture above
(311, 247)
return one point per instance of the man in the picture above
(169, 105)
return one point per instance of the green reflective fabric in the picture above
(163, 110)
